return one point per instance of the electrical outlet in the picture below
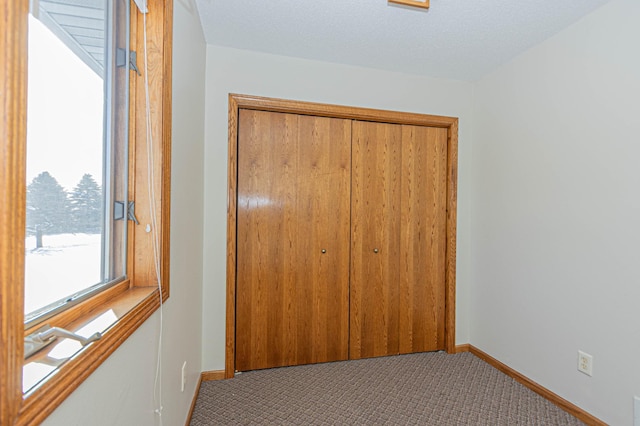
(183, 381)
(636, 411)
(585, 363)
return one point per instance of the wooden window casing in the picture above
(133, 300)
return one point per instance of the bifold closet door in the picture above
(375, 239)
(423, 216)
(398, 239)
(293, 229)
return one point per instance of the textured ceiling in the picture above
(457, 39)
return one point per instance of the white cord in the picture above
(157, 391)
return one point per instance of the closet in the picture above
(340, 233)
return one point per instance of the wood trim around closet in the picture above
(237, 102)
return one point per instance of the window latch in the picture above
(118, 211)
(46, 335)
(121, 59)
(132, 62)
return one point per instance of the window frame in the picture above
(114, 178)
(134, 299)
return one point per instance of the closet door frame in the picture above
(238, 102)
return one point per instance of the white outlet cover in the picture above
(585, 363)
(183, 379)
(636, 411)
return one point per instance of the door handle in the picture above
(375, 250)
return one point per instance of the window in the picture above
(77, 97)
(71, 211)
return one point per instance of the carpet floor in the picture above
(418, 389)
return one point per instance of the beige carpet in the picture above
(417, 389)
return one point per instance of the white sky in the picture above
(64, 111)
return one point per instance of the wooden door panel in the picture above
(262, 178)
(293, 202)
(324, 223)
(423, 239)
(375, 210)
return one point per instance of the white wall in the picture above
(246, 72)
(556, 212)
(120, 391)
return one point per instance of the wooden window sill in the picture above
(116, 318)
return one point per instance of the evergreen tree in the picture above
(47, 207)
(86, 206)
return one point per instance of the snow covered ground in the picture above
(66, 263)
